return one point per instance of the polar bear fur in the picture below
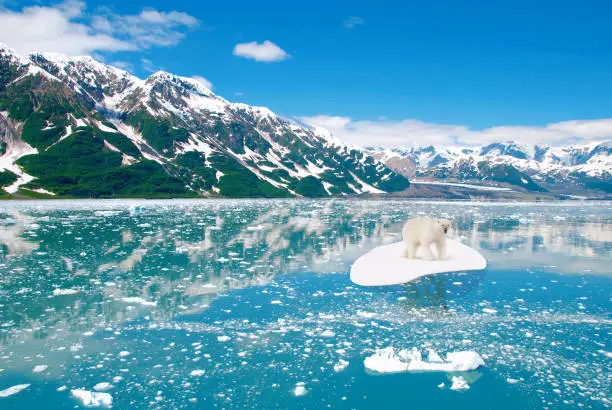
(422, 232)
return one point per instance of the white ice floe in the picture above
(103, 386)
(341, 365)
(92, 399)
(124, 353)
(13, 390)
(300, 389)
(40, 368)
(197, 373)
(223, 338)
(397, 269)
(388, 360)
(459, 383)
(139, 301)
(62, 292)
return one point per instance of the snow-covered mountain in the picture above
(576, 168)
(78, 127)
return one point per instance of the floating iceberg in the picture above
(386, 265)
(92, 399)
(13, 390)
(63, 292)
(388, 360)
(138, 300)
(459, 383)
(300, 389)
(40, 368)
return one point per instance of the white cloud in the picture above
(352, 21)
(124, 65)
(68, 29)
(148, 65)
(409, 132)
(203, 81)
(266, 52)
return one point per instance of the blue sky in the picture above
(406, 69)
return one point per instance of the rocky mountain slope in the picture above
(578, 169)
(75, 127)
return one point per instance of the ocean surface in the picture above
(194, 304)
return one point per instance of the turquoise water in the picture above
(231, 304)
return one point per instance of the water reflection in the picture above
(177, 257)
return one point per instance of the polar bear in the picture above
(422, 232)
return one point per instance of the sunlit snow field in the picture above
(248, 304)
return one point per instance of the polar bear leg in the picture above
(441, 248)
(410, 250)
(427, 253)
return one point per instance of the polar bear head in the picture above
(443, 224)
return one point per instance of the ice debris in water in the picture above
(40, 368)
(459, 383)
(341, 365)
(62, 292)
(13, 390)
(197, 373)
(300, 389)
(387, 360)
(103, 386)
(92, 399)
(139, 301)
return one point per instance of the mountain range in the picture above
(76, 127)
(573, 170)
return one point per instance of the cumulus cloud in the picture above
(352, 21)
(410, 132)
(266, 52)
(203, 81)
(68, 28)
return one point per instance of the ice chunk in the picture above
(139, 301)
(92, 399)
(300, 389)
(459, 383)
(464, 361)
(223, 338)
(40, 368)
(388, 361)
(196, 373)
(103, 386)
(399, 269)
(13, 390)
(62, 292)
(341, 365)
(385, 361)
(434, 356)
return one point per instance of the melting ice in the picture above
(233, 304)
